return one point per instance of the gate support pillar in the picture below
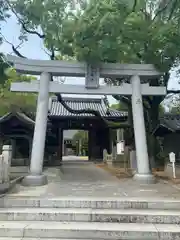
(143, 174)
(36, 178)
(91, 144)
(60, 146)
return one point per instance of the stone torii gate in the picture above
(46, 68)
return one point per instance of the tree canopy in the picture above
(118, 31)
(3, 16)
(173, 104)
(139, 31)
(124, 31)
(11, 101)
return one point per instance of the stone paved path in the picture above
(84, 179)
(75, 171)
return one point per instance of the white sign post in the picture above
(120, 147)
(172, 158)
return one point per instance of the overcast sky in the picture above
(34, 49)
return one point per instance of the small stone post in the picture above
(6, 159)
(105, 156)
(13, 144)
(1, 169)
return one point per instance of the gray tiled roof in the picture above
(168, 123)
(21, 116)
(56, 108)
(171, 122)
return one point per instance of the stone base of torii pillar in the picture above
(35, 180)
(145, 178)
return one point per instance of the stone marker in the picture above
(105, 156)
(7, 157)
(1, 169)
(109, 160)
(5, 164)
(133, 160)
(114, 153)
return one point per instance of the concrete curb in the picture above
(90, 215)
(5, 187)
(130, 231)
(93, 203)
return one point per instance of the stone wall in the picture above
(20, 162)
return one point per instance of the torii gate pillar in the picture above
(36, 178)
(143, 174)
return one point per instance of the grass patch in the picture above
(162, 175)
(121, 173)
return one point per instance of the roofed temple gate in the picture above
(98, 132)
(139, 84)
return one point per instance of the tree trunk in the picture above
(151, 140)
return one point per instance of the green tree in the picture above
(12, 101)
(43, 19)
(169, 9)
(119, 106)
(129, 32)
(4, 14)
(139, 31)
(81, 136)
(161, 110)
(3, 67)
(174, 104)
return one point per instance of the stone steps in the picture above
(83, 230)
(88, 218)
(20, 238)
(24, 238)
(90, 215)
(90, 202)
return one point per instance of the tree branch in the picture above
(15, 49)
(23, 24)
(17, 52)
(148, 100)
(42, 36)
(162, 10)
(134, 6)
(52, 56)
(172, 10)
(89, 111)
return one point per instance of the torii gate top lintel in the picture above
(78, 69)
